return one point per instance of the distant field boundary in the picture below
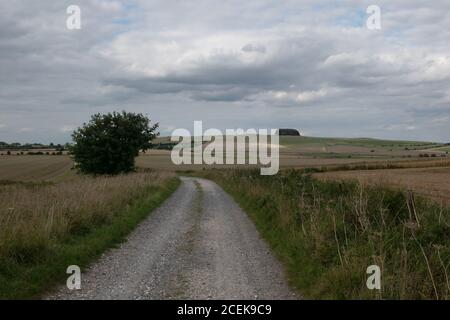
(376, 165)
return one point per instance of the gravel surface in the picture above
(198, 245)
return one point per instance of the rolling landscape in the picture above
(421, 166)
(38, 190)
(236, 158)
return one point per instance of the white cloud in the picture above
(312, 95)
(280, 94)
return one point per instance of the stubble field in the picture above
(420, 166)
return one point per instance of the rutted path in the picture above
(198, 245)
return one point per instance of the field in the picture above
(445, 149)
(327, 224)
(359, 145)
(427, 175)
(432, 182)
(302, 152)
(35, 168)
(47, 226)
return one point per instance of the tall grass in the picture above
(45, 227)
(328, 233)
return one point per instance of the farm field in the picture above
(30, 168)
(295, 152)
(160, 160)
(332, 159)
(445, 149)
(301, 152)
(429, 182)
(357, 147)
(339, 158)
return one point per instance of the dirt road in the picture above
(198, 245)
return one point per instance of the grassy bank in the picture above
(328, 233)
(46, 227)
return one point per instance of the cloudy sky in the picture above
(307, 64)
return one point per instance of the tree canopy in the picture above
(109, 143)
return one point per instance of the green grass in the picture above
(30, 278)
(328, 233)
(360, 142)
(296, 141)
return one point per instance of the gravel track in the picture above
(198, 245)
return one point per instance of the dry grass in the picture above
(46, 226)
(328, 233)
(33, 216)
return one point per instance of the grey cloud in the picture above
(181, 61)
(254, 48)
(226, 95)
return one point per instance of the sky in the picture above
(311, 65)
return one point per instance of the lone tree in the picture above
(109, 143)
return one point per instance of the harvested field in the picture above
(29, 168)
(433, 182)
(57, 168)
(160, 160)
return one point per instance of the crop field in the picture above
(401, 163)
(29, 168)
(358, 147)
(445, 149)
(39, 189)
(301, 152)
(430, 182)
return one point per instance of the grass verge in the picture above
(328, 233)
(46, 228)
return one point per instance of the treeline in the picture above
(32, 153)
(32, 146)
